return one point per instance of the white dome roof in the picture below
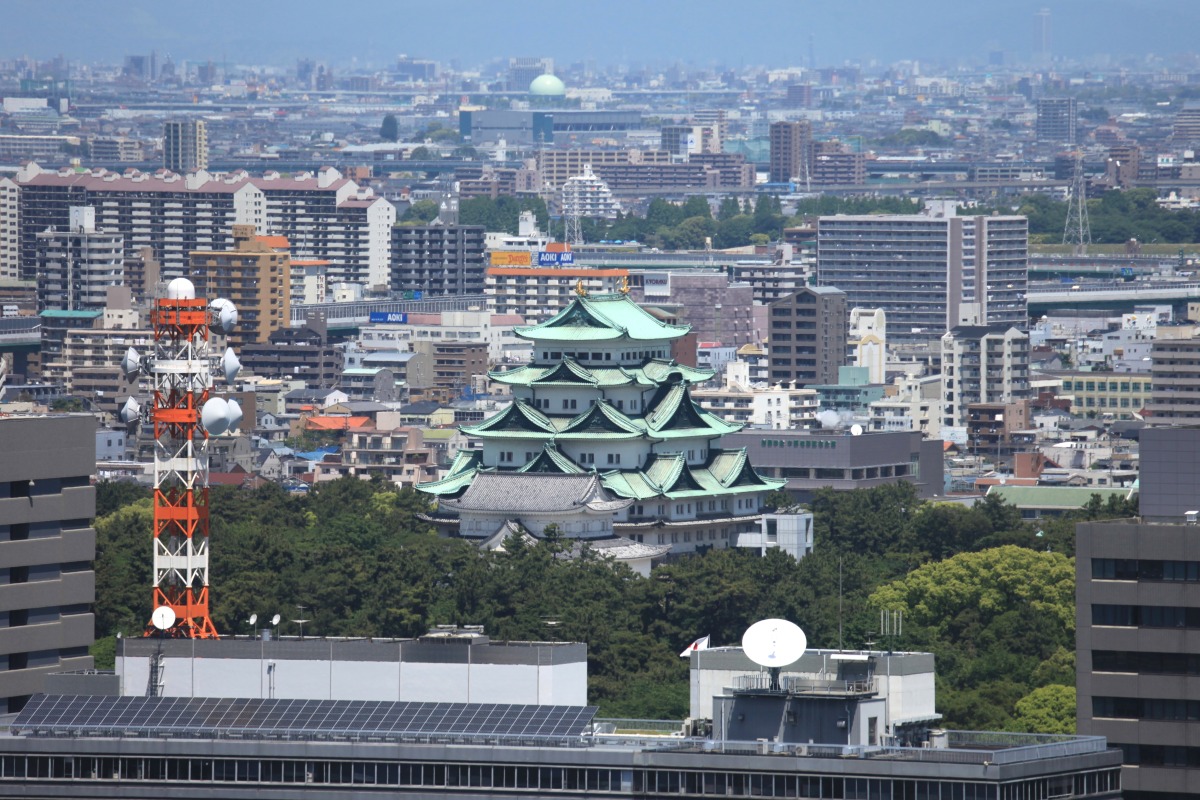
(547, 85)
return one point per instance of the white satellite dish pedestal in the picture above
(774, 644)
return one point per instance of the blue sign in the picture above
(389, 316)
(545, 259)
(413, 295)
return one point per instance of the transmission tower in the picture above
(1078, 231)
(184, 415)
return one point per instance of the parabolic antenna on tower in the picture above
(774, 642)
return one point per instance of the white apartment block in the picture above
(10, 229)
(982, 365)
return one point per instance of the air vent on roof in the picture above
(1192, 517)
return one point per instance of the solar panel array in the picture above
(57, 715)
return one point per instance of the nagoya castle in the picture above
(603, 441)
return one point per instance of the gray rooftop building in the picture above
(47, 547)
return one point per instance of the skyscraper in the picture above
(1056, 117)
(789, 146)
(185, 145)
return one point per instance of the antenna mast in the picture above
(1078, 230)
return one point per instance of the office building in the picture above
(623, 407)
(545, 127)
(437, 259)
(982, 364)
(929, 271)
(185, 145)
(77, 265)
(1175, 375)
(806, 336)
(682, 141)
(255, 275)
(789, 142)
(47, 547)
(229, 748)
(1137, 598)
(813, 460)
(88, 365)
(834, 164)
(1056, 118)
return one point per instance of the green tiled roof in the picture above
(602, 317)
(519, 418)
(1056, 497)
(551, 460)
(668, 475)
(602, 420)
(466, 466)
(56, 313)
(569, 372)
(674, 415)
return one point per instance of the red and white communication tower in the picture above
(184, 418)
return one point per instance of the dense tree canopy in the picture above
(998, 618)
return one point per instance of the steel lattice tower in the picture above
(1078, 229)
(182, 378)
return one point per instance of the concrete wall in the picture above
(331, 669)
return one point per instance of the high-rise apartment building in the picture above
(556, 167)
(929, 271)
(324, 216)
(10, 229)
(1175, 372)
(76, 266)
(982, 364)
(806, 336)
(185, 145)
(588, 197)
(172, 214)
(1056, 119)
(438, 259)
(1186, 130)
(47, 550)
(789, 142)
(684, 140)
(255, 275)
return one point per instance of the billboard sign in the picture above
(510, 258)
(547, 259)
(389, 316)
(656, 285)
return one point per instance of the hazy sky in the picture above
(773, 32)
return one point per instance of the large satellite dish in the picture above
(253, 618)
(163, 617)
(275, 620)
(774, 643)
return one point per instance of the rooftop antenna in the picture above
(891, 626)
(774, 644)
(1078, 230)
(300, 609)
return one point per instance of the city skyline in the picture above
(864, 31)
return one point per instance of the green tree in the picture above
(1047, 709)
(729, 208)
(422, 153)
(420, 213)
(389, 130)
(696, 206)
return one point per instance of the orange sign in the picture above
(511, 258)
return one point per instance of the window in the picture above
(587, 458)
(506, 457)
(568, 403)
(614, 458)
